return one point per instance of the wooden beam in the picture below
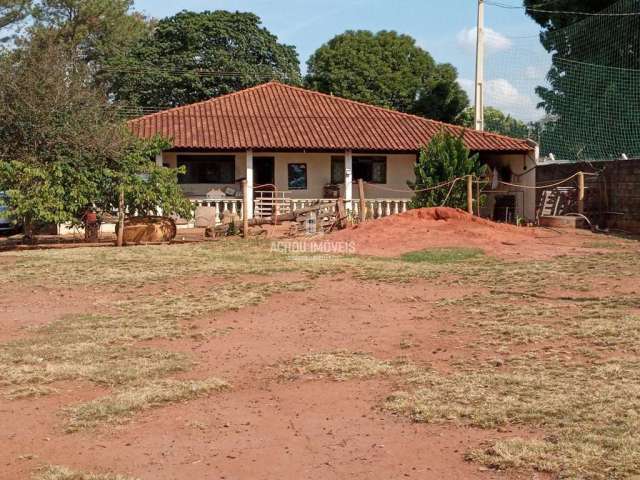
(120, 238)
(581, 193)
(470, 194)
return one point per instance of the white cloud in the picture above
(503, 95)
(494, 41)
(535, 73)
(500, 92)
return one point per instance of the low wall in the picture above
(612, 199)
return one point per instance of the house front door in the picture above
(263, 172)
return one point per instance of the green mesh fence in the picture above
(581, 91)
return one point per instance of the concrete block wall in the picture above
(612, 199)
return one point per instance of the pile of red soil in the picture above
(438, 227)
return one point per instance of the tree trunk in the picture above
(120, 240)
(28, 231)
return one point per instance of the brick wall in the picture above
(612, 199)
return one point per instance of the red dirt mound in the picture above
(425, 228)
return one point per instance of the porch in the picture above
(214, 179)
(376, 207)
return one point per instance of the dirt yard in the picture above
(491, 352)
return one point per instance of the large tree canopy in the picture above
(195, 56)
(98, 29)
(495, 121)
(386, 69)
(593, 97)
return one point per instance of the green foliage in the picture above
(444, 159)
(54, 130)
(147, 186)
(232, 229)
(50, 193)
(97, 29)
(389, 70)
(495, 121)
(100, 28)
(64, 147)
(176, 65)
(12, 12)
(592, 95)
(441, 97)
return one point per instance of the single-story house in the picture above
(302, 144)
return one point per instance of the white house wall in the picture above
(522, 168)
(399, 170)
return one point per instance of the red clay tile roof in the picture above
(274, 116)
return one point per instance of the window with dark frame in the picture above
(337, 170)
(372, 169)
(207, 168)
(297, 176)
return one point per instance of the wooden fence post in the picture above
(363, 202)
(120, 238)
(470, 194)
(478, 196)
(245, 209)
(581, 193)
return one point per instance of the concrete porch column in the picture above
(159, 160)
(348, 179)
(249, 176)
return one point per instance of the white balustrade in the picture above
(231, 205)
(376, 207)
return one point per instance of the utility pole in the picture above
(479, 85)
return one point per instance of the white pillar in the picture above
(479, 86)
(159, 160)
(250, 183)
(348, 178)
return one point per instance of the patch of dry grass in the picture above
(139, 266)
(123, 404)
(43, 359)
(590, 413)
(502, 318)
(29, 391)
(169, 308)
(100, 348)
(56, 472)
(136, 267)
(339, 366)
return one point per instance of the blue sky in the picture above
(516, 62)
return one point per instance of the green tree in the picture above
(53, 127)
(444, 159)
(63, 146)
(147, 187)
(196, 56)
(12, 12)
(98, 29)
(592, 95)
(389, 70)
(495, 121)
